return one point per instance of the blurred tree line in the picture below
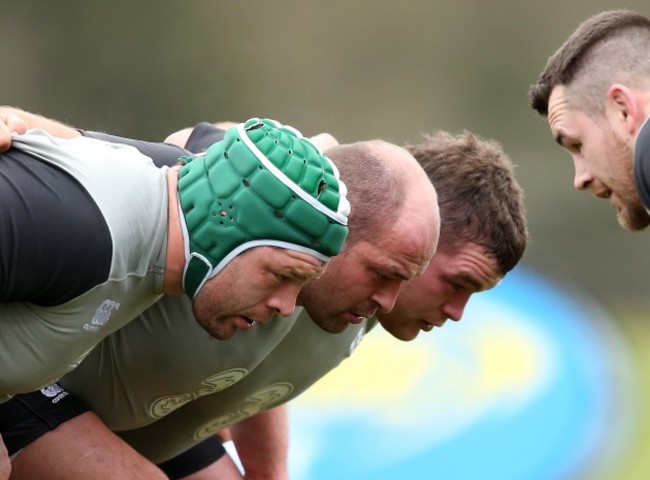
(357, 68)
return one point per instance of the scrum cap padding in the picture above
(263, 184)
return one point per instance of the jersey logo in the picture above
(259, 401)
(102, 314)
(167, 404)
(55, 392)
(51, 390)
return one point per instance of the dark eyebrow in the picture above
(559, 138)
(403, 277)
(472, 282)
(299, 274)
(391, 272)
(399, 273)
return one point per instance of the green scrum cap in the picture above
(263, 184)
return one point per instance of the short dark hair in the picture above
(479, 198)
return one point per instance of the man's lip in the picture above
(244, 323)
(604, 194)
(356, 318)
(428, 326)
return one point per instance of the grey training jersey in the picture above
(303, 357)
(165, 359)
(163, 374)
(45, 333)
(166, 385)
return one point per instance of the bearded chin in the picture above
(634, 219)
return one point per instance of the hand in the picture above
(10, 123)
(5, 462)
(180, 137)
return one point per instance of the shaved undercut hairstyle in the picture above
(610, 47)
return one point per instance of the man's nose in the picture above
(455, 307)
(284, 302)
(583, 178)
(386, 296)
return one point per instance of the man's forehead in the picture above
(567, 123)
(557, 105)
(288, 256)
(399, 262)
(470, 262)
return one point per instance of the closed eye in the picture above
(576, 147)
(279, 277)
(456, 286)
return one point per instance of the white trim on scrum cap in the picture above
(340, 216)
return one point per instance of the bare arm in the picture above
(180, 137)
(324, 141)
(262, 443)
(79, 449)
(5, 463)
(19, 121)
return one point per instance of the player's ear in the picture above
(623, 110)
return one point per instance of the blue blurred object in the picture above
(522, 388)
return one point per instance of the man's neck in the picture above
(175, 259)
